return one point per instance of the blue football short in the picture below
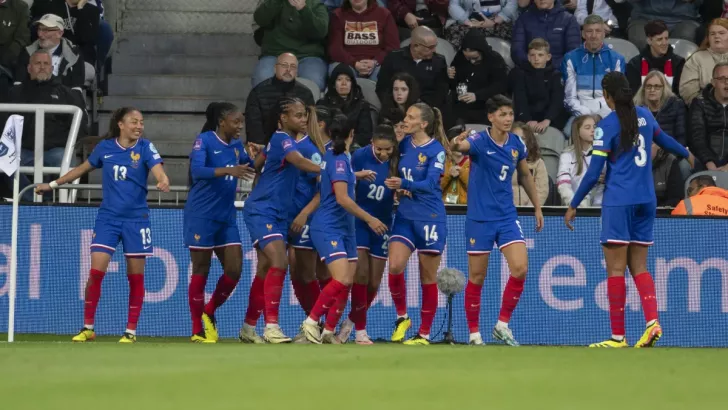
(628, 224)
(482, 236)
(265, 229)
(332, 246)
(201, 233)
(366, 239)
(423, 236)
(300, 240)
(135, 236)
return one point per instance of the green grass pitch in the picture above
(47, 372)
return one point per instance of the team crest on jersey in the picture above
(334, 244)
(197, 237)
(135, 159)
(598, 133)
(422, 158)
(514, 152)
(316, 158)
(269, 227)
(472, 241)
(237, 155)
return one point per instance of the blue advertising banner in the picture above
(564, 302)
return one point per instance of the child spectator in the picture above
(535, 165)
(405, 91)
(575, 160)
(454, 181)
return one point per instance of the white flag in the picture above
(10, 145)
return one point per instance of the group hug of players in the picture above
(326, 216)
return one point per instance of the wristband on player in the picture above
(53, 185)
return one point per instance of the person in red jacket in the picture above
(361, 34)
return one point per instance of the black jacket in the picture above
(671, 118)
(56, 125)
(538, 93)
(708, 136)
(71, 71)
(354, 105)
(634, 71)
(14, 31)
(431, 75)
(261, 101)
(668, 179)
(487, 78)
(82, 26)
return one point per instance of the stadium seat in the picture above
(476, 127)
(623, 47)
(552, 143)
(503, 48)
(311, 86)
(443, 47)
(683, 48)
(368, 88)
(720, 178)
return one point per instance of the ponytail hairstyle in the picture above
(433, 117)
(386, 132)
(313, 128)
(617, 87)
(281, 107)
(339, 130)
(116, 117)
(216, 112)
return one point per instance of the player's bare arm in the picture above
(70, 176)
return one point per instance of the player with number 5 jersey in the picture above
(495, 154)
(623, 141)
(420, 221)
(126, 160)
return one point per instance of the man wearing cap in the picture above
(67, 62)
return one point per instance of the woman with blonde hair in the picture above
(575, 160)
(698, 70)
(669, 110)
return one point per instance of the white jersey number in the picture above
(641, 158)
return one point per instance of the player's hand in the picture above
(569, 218)
(402, 192)
(299, 222)
(366, 174)
(163, 185)
(254, 149)
(539, 220)
(43, 188)
(241, 172)
(377, 226)
(460, 137)
(393, 182)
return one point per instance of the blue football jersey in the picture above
(307, 185)
(330, 216)
(125, 173)
(421, 168)
(273, 195)
(490, 193)
(210, 197)
(373, 197)
(328, 144)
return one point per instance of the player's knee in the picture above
(519, 270)
(477, 278)
(233, 274)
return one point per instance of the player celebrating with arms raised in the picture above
(217, 160)
(492, 218)
(629, 206)
(420, 221)
(126, 160)
(332, 233)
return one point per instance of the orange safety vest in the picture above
(708, 201)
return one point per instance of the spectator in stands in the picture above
(658, 55)
(105, 36)
(410, 14)
(333, 5)
(681, 17)
(583, 70)
(80, 21)
(574, 162)
(67, 62)
(404, 92)
(698, 70)
(345, 94)
(361, 35)
(476, 74)
(602, 9)
(535, 165)
(704, 198)
(668, 110)
(395, 118)
(550, 22)
(538, 93)
(667, 176)
(491, 18)
(421, 62)
(454, 181)
(264, 97)
(709, 122)
(292, 26)
(42, 87)
(14, 32)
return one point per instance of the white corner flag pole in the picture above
(13, 259)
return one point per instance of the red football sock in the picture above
(323, 282)
(472, 305)
(256, 301)
(337, 309)
(93, 294)
(398, 290)
(326, 299)
(617, 295)
(299, 289)
(359, 304)
(225, 286)
(511, 295)
(311, 292)
(136, 299)
(429, 308)
(272, 291)
(646, 288)
(371, 295)
(196, 298)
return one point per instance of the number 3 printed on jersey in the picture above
(641, 158)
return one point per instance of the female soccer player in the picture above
(628, 209)
(420, 221)
(266, 213)
(126, 160)
(495, 155)
(332, 233)
(372, 164)
(217, 160)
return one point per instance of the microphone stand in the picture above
(449, 337)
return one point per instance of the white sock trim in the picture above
(131, 332)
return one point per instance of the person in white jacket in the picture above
(574, 162)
